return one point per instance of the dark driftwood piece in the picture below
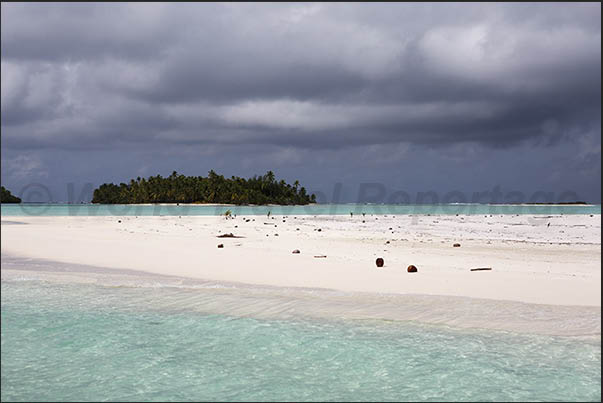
(321, 256)
(229, 236)
(482, 268)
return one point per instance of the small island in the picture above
(214, 188)
(7, 197)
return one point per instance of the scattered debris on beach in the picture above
(456, 245)
(296, 251)
(229, 235)
(220, 245)
(320, 256)
(412, 269)
(379, 262)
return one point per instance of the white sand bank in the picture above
(532, 261)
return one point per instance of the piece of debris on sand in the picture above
(230, 235)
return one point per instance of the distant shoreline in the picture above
(578, 203)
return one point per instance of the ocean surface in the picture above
(316, 209)
(82, 334)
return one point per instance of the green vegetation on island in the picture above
(7, 197)
(178, 188)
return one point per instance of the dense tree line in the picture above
(7, 197)
(215, 188)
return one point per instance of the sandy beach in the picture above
(553, 260)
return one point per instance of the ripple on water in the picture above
(83, 341)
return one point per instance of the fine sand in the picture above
(553, 260)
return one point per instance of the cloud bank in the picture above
(295, 85)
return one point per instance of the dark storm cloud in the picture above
(301, 76)
(83, 31)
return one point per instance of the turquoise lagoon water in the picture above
(317, 209)
(89, 341)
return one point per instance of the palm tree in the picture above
(178, 188)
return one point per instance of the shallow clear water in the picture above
(317, 209)
(64, 341)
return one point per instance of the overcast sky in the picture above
(416, 97)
